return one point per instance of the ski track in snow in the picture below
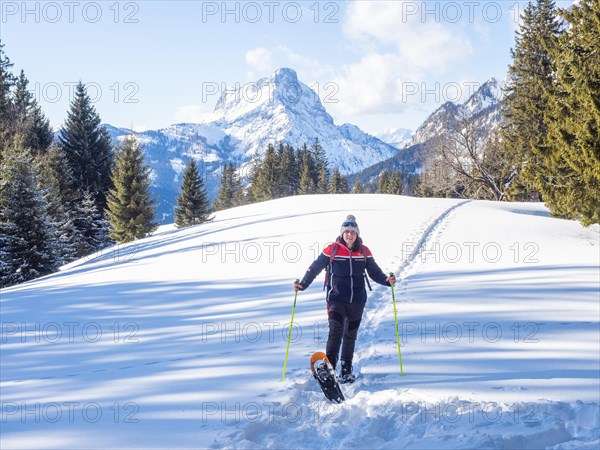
(378, 303)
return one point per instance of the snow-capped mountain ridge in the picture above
(398, 137)
(246, 119)
(279, 93)
(283, 109)
(483, 105)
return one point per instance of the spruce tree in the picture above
(27, 234)
(320, 170)
(323, 184)
(92, 226)
(7, 82)
(238, 197)
(358, 187)
(289, 170)
(280, 177)
(394, 185)
(56, 182)
(574, 118)
(38, 135)
(525, 104)
(224, 199)
(192, 204)
(29, 120)
(264, 183)
(23, 104)
(382, 183)
(87, 147)
(338, 184)
(130, 207)
(307, 184)
(231, 191)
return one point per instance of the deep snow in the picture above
(178, 340)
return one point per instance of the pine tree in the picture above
(192, 204)
(231, 191)
(7, 82)
(23, 104)
(55, 180)
(323, 184)
(29, 120)
(320, 172)
(382, 183)
(338, 184)
(38, 135)
(224, 199)
(289, 170)
(264, 183)
(130, 207)
(574, 118)
(238, 197)
(279, 178)
(525, 104)
(307, 184)
(91, 225)
(358, 187)
(27, 235)
(87, 147)
(394, 185)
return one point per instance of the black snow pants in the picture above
(344, 321)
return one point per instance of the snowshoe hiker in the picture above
(348, 261)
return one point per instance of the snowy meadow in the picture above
(178, 340)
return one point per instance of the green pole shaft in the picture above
(397, 332)
(287, 349)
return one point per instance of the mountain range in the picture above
(482, 107)
(245, 120)
(279, 108)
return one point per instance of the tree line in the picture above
(287, 171)
(66, 198)
(280, 172)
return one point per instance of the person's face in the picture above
(350, 237)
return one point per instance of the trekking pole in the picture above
(289, 335)
(397, 333)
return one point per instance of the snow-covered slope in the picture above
(178, 340)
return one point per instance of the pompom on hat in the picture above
(350, 224)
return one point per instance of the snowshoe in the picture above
(324, 373)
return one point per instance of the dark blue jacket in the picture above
(346, 277)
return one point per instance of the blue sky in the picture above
(149, 64)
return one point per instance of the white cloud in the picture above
(401, 51)
(260, 59)
(263, 62)
(402, 54)
(425, 44)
